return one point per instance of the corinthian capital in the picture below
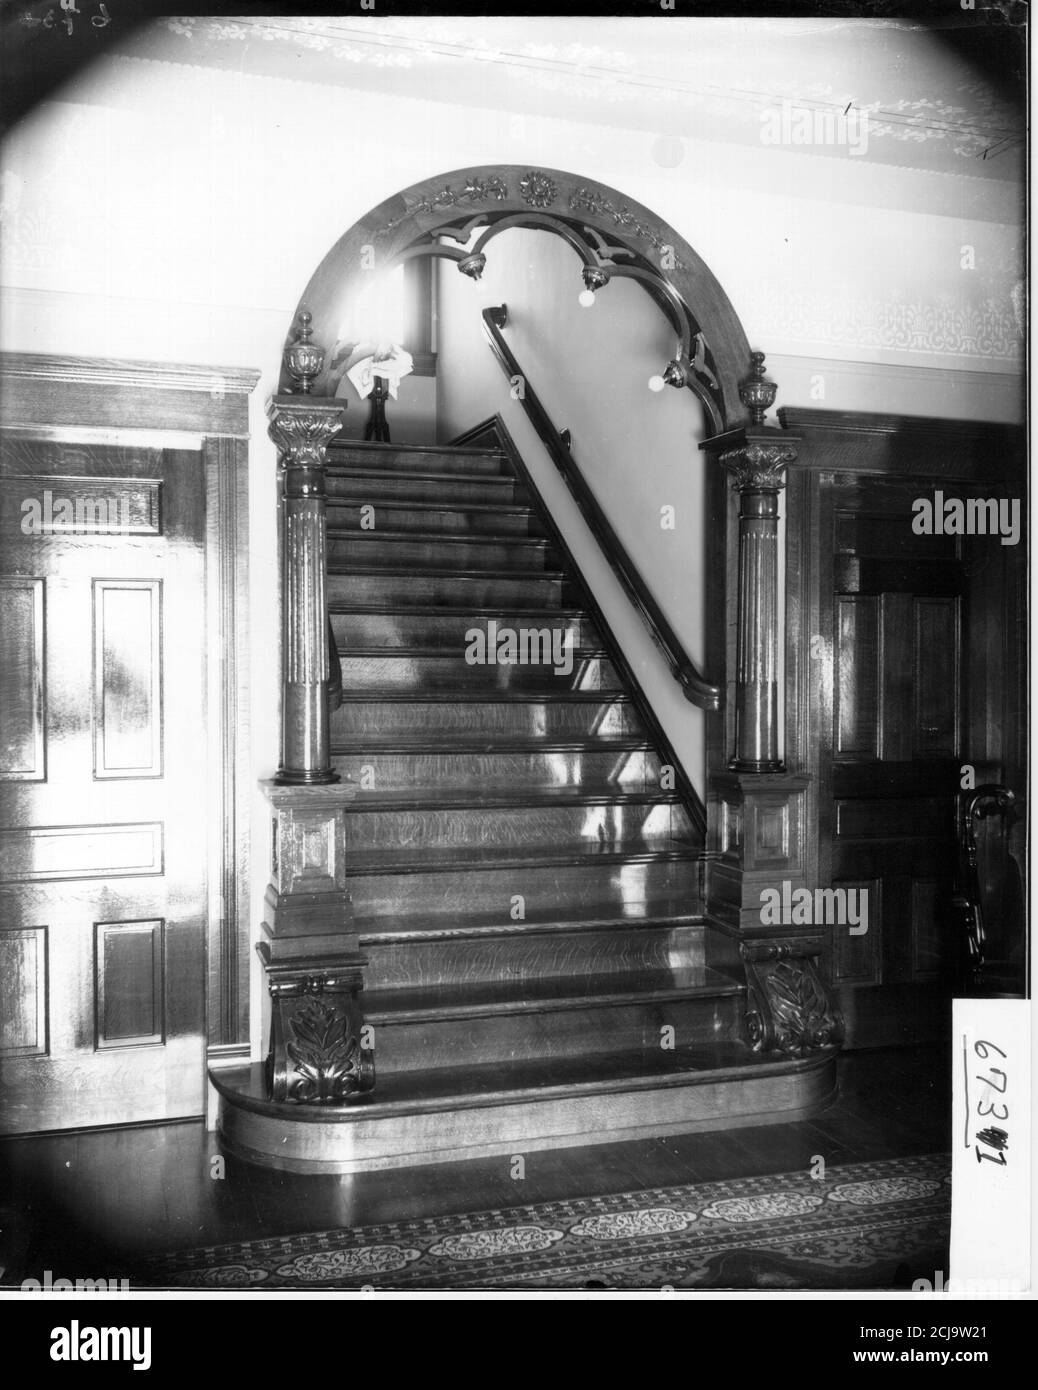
(758, 467)
(301, 428)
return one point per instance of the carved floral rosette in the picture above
(538, 189)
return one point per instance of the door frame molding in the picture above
(204, 410)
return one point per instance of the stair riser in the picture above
(461, 591)
(373, 549)
(598, 890)
(425, 673)
(536, 955)
(452, 522)
(521, 719)
(368, 488)
(447, 630)
(616, 828)
(420, 461)
(637, 770)
(637, 1029)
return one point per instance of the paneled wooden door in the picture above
(102, 776)
(895, 623)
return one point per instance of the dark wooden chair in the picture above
(989, 898)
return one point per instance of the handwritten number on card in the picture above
(991, 1110)
(998, 1158)
(68, 9)
(994, 1071)
(992, 1137)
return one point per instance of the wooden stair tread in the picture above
(405, 504)
(404, 859)
(659, 916)
(343, 444)
(454, 798)
(473, 743)
(449, 610)
(578, 653)
(342, 470)
(444, 1002)
(489, 695)
(435, 572)
(440, 537)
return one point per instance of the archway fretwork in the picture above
(613, 235)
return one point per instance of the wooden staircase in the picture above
(523, 856)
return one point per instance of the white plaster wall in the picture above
(637, 449)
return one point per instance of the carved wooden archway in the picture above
(605, 228)
(756, 809)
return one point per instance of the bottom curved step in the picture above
(479, 1112)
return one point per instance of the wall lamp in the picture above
(473, 266)
(678, 372)
(595, 278)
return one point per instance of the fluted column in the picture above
(301, 427)
(756, 456)
(757, 470)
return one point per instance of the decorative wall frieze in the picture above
(989, 330)
(970, 122)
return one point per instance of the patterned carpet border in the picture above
(866, 1225)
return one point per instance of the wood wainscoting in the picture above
(124, 922)
(906, 662)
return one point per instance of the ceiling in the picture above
(927, 100)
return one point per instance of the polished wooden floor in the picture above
(85, 1204)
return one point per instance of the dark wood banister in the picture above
(694, 687)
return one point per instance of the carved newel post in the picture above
(756, 820)
(319, 1053)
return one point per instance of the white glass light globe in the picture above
(586, 298)
(656, 383)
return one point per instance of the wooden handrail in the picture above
(694, 687)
